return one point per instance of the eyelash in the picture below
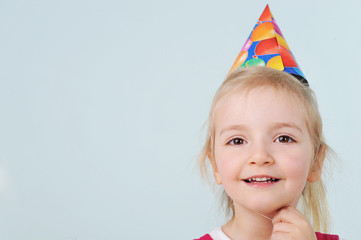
(278, 139)
(289, 139)
(232, 141)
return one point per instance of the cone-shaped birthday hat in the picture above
(267, 47)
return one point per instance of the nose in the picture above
(261, 155)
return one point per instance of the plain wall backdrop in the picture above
(102, 105)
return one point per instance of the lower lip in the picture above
(261, 184)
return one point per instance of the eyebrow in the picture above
(233, 127)
(275, 126)
(286, 125)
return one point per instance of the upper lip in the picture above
(260, 177)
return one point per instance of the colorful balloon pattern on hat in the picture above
(266, 46)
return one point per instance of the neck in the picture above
(248, 225)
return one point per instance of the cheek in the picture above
(297, 167)
(228, 164)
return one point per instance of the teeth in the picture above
(263, 179)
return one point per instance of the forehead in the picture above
(259, 106)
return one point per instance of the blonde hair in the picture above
(314, 203)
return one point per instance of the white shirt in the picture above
(218, 234)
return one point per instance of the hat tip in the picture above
(266, 46)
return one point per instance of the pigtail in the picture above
(315, 205)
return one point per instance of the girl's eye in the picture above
(236, 141)
(284, 139)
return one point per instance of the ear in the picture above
(216, 174)
(316, 169)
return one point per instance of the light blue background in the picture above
(102, 104)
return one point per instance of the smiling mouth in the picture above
(261, 180)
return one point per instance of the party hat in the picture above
(266, 46)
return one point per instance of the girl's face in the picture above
(263, 151)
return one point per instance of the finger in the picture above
(282, 216)
(283, 227)
(289, 223)
(287, 214)
(280, 236)
(297, 217)
(289, 231)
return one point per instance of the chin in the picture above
(269, 208)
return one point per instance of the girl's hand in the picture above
(290, 224)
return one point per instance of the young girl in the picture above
(266, 148)
(265, 144)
